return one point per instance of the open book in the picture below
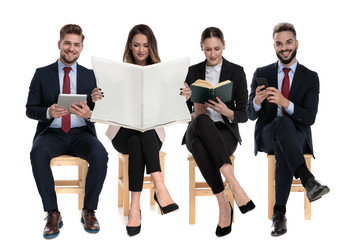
(202, 91)
(140, 97)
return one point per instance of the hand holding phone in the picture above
(262, 81)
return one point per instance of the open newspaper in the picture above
(140, 97)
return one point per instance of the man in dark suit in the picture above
(285, 111)
(59, 132)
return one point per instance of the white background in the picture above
(29, 35)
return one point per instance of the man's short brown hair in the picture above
(71, 28)
(281, 27)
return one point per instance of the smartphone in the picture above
(262, 81)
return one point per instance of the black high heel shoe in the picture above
(167, 209)
(220, 232)
(246, 208)
(132, 231)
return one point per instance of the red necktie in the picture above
(66, 90)
(285, 88)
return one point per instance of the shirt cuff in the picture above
(256, 107)
(48, 117)
(290, 109)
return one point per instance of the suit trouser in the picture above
(143, 149)
(211, 145)
(282, 138)
(78, 142)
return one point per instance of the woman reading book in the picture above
(143, 147)
(213, 134)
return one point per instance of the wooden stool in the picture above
(124, 193)
(72, 186)
(296, 186)
(203, 189)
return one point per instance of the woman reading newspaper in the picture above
(143, 147)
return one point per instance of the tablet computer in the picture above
(66, 100)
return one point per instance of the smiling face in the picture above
(213, 48)
(70, 48)
(286, 45)
(140, 49)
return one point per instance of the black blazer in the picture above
(44, 91)
(234, 73)
(304, 93)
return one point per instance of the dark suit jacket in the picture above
(304, 93)
(44, 91)
(236, 74)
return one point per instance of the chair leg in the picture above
(307, 205)
(191, 192)
(271, 187)
(84, 169)
(126, 193)
(120, 187)
(80, 195)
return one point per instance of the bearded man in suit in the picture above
(61, 132)
(285, 110)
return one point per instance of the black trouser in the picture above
(282, 138)
(143, 149)
(211, 145)
(78, 142)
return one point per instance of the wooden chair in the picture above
(203, 189)
(123, 185)
(72, 186)
(296, 186)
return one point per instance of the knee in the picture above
(39, 155)
(98, 157)
(134, 142)
(285, 122)
(202, 121)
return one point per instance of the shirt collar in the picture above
(293, 66)
(216, 68)
(61, 66)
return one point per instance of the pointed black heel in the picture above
(132, 231)
(167, 209)
(220, 232)
(248, 207)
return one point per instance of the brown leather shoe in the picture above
(88, 218)
(53, 224)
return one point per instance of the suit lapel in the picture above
(226, 71)
(201, 71)
(79, 79)
(273, 81)
(55, 78)
(297, 81)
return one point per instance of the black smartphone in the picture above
(262, 81)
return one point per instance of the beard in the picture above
(285, 62)
(67, 60)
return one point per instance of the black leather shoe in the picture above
(315, 190)
(279, 224)
(220, 232)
